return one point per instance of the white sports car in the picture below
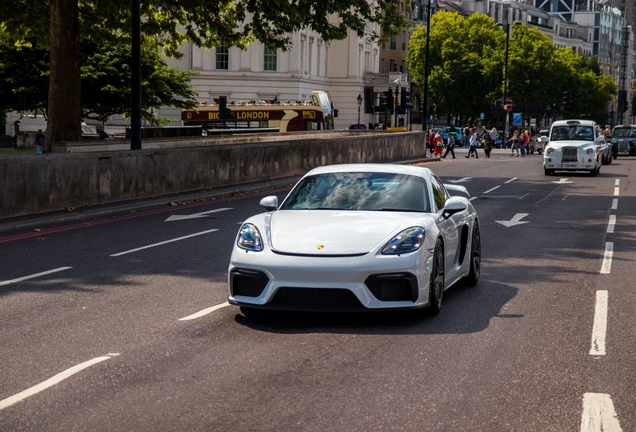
(357, 237)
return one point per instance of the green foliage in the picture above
(467, 59)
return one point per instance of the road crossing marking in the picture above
(59, 269)
(599, 414)
(607, 258)
(204, 312)
(599, 329)
(163, 243)
(53, 380)
(492, 189)
(614, 204)
(611, 223)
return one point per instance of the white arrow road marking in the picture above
(562, 181)
(461, 180)
(163, 242)
(599, 414)
(53, 380)
(607, 258)
(195, 215)
(204, 312)
(599, 329)
(516, 220)
(34, 275)
(611, 224)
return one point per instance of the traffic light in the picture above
(389, 100)
(403, 98)
(493, 109)
(383, 98)
(566, 103)
(623, 104)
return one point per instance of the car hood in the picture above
(333, 232)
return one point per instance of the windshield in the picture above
(624, 133)
(359, 191)
(572, 132)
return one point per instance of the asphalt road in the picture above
(93, 335)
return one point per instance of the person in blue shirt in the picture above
(102, 133)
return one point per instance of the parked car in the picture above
(539, 143)
(458, 137)
(357, 237)
(624, 140)
(575, 145)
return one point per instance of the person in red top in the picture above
(438, 142)
(429, 141)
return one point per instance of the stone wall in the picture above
(34, 184)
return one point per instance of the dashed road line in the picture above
(163, 243)
(204, 312)
(59, 269)
(53, 380)
(599, 414)
(611, 224)
(492, 189)
(511, 180)
(614, 204)
(599, 329)
(607, 258)
(616, 191)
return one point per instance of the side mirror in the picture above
(454, 205)
(456, 188)
(270, 203)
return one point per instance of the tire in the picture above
(436, 283)
(548, 172)
(595, 171)
(540, 151)
(475, 257)
(609, 158)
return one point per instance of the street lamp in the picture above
(359, 99)
(506, 27)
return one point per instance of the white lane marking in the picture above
(59, 269)
(204, 312)
(473, 198)
(610, 225)
(163, 243)
(616, 191)
(607, 258)
(195, 215)
(511, 180)
(565, 197)
(516, 220)
(599, 414)
(599, 330)
(522, 197)
(614, 204)
(617, 182)
(562, 181)
(52, 381)
(490, 190)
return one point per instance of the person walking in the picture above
(429, 142)
(487, 145)
(493, 136)
(466, 136)
(472, 145)
(514, 144)
(39, 142)
(438, 142)
(522, 143)
(451, 145)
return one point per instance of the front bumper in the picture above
(267, 280)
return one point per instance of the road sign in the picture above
(517, 119)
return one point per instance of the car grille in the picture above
(569, 154)
(249, 283)
(393, 286)
(334, 299)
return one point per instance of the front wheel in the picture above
(475, 257)
(548, 172)
(436, 284)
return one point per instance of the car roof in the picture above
(574, 121)
(418, 171)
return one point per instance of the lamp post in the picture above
(507, 28)
(426, 72)
(359, 99)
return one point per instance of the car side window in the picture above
(439, 193)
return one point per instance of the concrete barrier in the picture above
(34, 184)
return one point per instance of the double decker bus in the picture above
(289, 116)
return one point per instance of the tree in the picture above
(105, 73)
(207, 23)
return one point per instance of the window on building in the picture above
(403, 66)
(222, 58)
(392, 65)
(393, 42)
(367, 61)
(381, 65)
(403, 41)
(270, 59)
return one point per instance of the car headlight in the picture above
(589, 151)
(409, 240)
(249, 238)
(549, 151)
